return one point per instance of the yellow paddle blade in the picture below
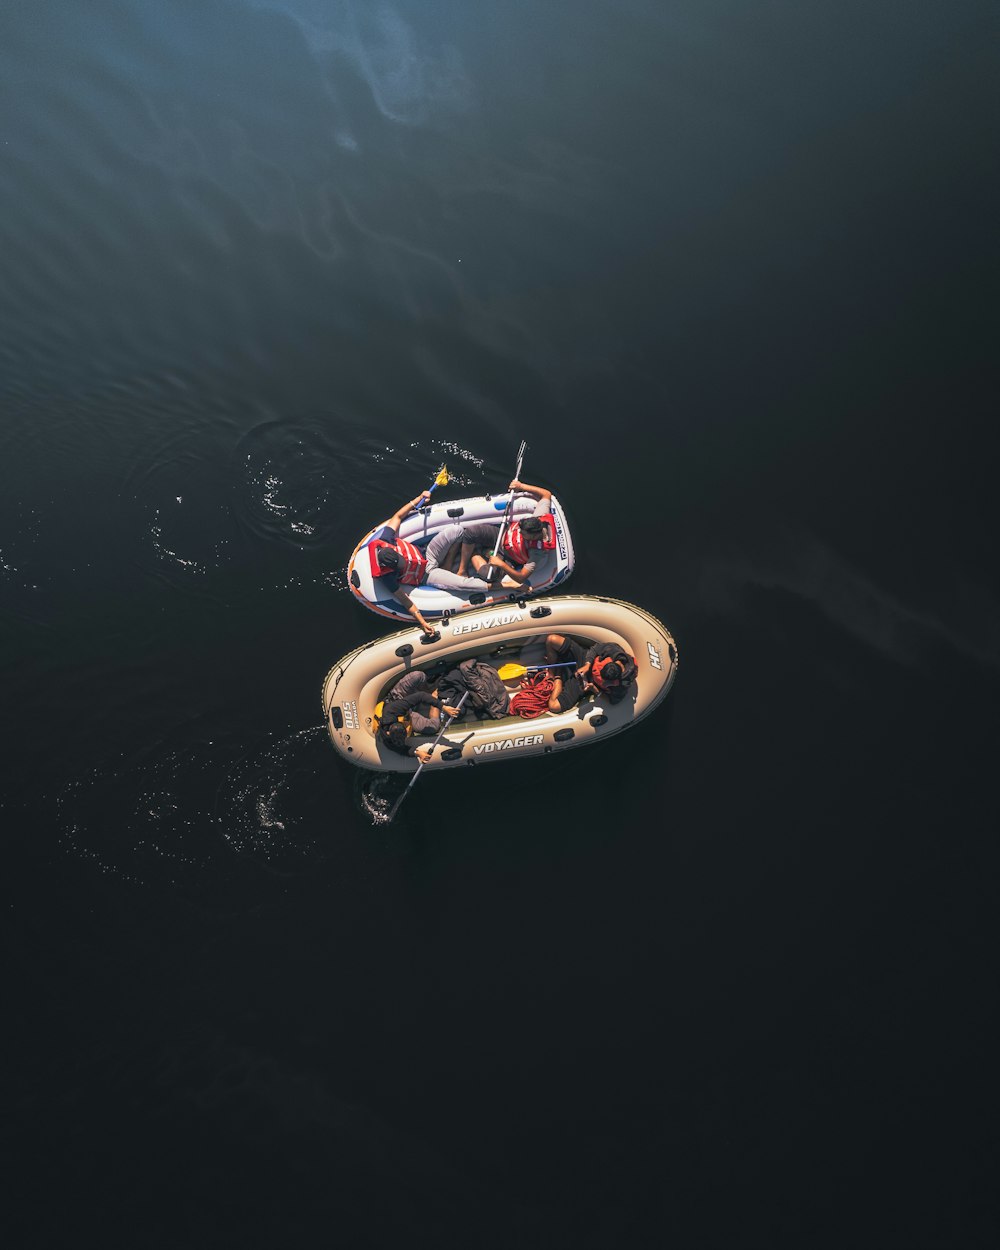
(442, 477)
(509, 671)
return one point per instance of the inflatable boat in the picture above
(500, 635)
(552, 567)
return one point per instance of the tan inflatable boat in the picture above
(513, 632)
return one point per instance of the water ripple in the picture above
(186, 819)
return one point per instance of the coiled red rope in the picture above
(533, 698)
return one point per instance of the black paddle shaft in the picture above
(420, 768)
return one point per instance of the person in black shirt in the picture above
(605, 669)
(412, 708)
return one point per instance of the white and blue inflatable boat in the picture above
(552, 567)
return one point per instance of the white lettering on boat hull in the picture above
(508, 744)
(487, 622)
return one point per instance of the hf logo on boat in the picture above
(654, 657)
(350, 714)
(488, 622)
(527, 740)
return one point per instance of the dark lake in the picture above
(727, 980)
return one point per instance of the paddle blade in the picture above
(442, 477)
(509, 671)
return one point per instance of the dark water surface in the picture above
(727, 981)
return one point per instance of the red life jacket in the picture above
(516, 544)
(595, 671)
(412, 574)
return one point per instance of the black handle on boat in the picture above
(420, 768)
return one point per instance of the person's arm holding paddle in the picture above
(396, 520)
(424, 753)
(541, 493)
(520, 575)
(388, 532)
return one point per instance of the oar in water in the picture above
(413, 780)
(508, 672)
(440, 480)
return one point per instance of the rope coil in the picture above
(533, 698)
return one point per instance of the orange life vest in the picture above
(516, 544)
(412, 574)
(596, 667)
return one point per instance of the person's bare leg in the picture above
(554, 643)
(463, 559)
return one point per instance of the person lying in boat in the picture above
(605, 669)
(398, 564)
(412, 708)
(535, 532)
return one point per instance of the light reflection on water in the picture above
(185, 818)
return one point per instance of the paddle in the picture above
(508, 672)
(440, 480)
(507, 511)
(413, 780)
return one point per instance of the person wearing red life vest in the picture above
(605, 670)
(398, 565)
(608, 671)
(532, 533)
